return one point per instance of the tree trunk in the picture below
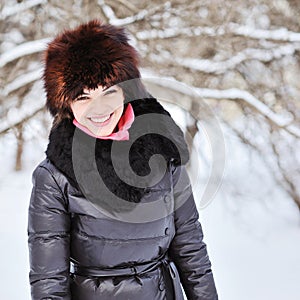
(20, 143)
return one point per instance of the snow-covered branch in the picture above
(219, 67)
(231, 94)
(177, 31)
(22, 50)
(110, 14)
(21, 81)
(8, 11)
(6, 125)
(129, 5)
(107, 10)
(281, 34)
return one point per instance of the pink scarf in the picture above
(123, 125)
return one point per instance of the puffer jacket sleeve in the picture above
(48, 239)
(187, 249)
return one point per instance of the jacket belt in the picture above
(169, 271)
(137, 269)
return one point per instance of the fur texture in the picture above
(59, 150)
(90, 55)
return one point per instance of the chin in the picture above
(101, 132)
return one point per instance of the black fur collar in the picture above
(69, 145)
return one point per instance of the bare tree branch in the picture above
(279, 175)
(292, 190)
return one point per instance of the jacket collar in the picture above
(152, 132)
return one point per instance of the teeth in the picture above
(100, 120)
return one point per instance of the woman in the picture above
(112, 213)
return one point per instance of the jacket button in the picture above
(167, 231)
(167, 198)
(161, 287)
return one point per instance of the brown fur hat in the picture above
(92, 54)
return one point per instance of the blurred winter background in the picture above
(228, 71)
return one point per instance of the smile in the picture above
(100, 122)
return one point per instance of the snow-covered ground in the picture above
(252, 228)
(15, 189)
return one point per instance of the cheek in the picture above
(119, 111)
(78, 111)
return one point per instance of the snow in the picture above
(251, 228)
(29, 105)
(172, 32)
(22, 50)
(17, 8)
(22, 80)
(11, 39)
(15, 189)
(283, 120)
(107, 10)
(109, 13)
(219, 67)
(251, 225)
(281, 34)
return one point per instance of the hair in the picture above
(90, 55)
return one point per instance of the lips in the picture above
(101, 121)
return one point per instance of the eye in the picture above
(82, 98)
(110, 92)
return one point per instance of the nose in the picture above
(102, 106)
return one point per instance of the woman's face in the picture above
(99, 110)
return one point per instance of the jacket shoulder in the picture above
(47, 165)
(46, 170)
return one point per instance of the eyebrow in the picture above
(104, 92)
(111, 89)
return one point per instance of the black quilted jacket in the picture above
(92, 235)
